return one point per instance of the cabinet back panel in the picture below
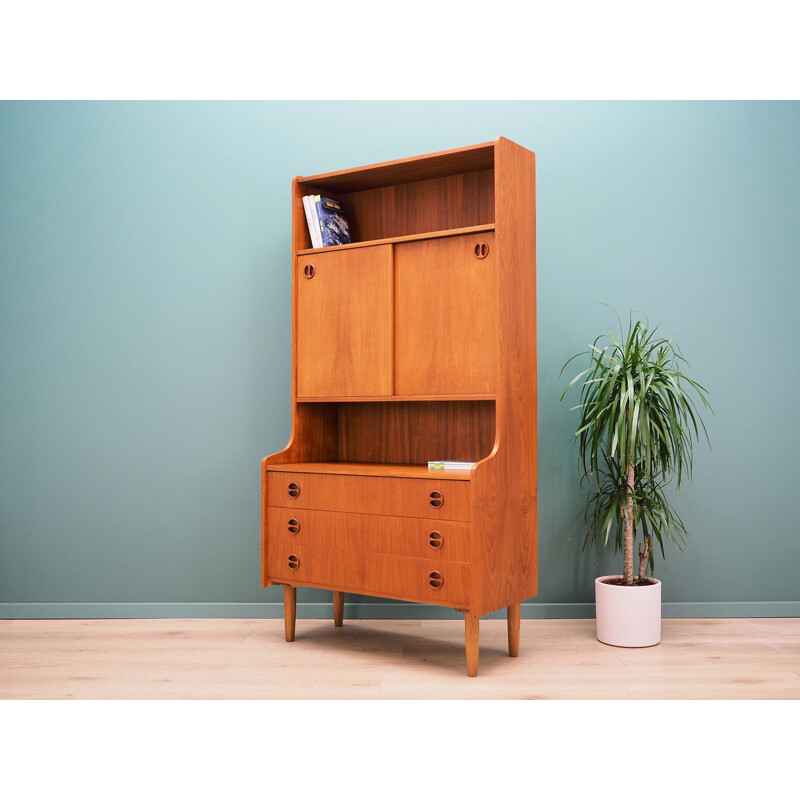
(416, 432)
(455, 201)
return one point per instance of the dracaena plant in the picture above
(639, 422)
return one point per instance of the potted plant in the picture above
(638, 425)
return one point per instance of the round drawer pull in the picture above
(481, 250)
(294, 526)
(435, 539)
(436, 579)
(436, 499)
(308, 271)
(294, 562)
(294, 489)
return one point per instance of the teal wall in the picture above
(145, 334)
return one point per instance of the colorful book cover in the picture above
(333, 223)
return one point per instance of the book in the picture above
(333, 224)
(464, 465)
(311, 220)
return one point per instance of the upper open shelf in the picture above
(441, 194)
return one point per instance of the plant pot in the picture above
(628, 616)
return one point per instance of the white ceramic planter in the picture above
(628, 616)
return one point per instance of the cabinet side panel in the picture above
(505, 514)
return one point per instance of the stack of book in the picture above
(460, 465)
(327, 221)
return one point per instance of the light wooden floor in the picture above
(249, 659)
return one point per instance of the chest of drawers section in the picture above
(402, 538)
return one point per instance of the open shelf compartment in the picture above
(393, 433)
(431, 195)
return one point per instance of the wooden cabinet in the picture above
(417, 342)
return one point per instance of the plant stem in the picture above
(643, 556)
(627, 544)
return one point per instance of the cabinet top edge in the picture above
(438, 164)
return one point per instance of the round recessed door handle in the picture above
(436, 579)
(309, 270)
(436, 499)
(294, 489)
(481, 250)
(294, 526)
(435, 539)
(294, 562)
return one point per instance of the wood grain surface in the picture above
(398, 577)
(442, 311)
(416, 432)
(373, 469)
(371, 533)
(345, 332)
(446, 316)
(437, 234)
(249, 659)
(472, 158)
(504, 559)
(400, 497)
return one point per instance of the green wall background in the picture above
(145, 335)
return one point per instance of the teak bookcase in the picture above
(415, 343)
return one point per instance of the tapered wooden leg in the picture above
(338, 608)
(513, 629)
(289, 611)
(471, 629)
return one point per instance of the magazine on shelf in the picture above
(312, 221)
(462, 465)
(333, 224)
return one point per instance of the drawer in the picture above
(395, 497)
(370, 533)
(403, 578)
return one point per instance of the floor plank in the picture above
(392, 659)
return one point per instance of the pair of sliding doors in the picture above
(410, 319)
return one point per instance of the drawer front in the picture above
(395, 497)
(443, 540)
(417, 579)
